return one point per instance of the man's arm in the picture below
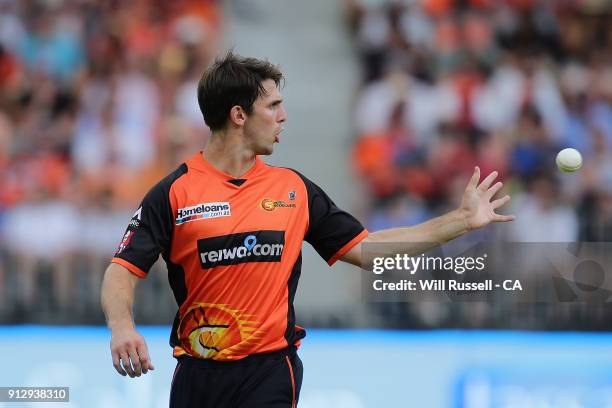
(127, 345)
(476, 211)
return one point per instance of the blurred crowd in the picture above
(502, 84)
(97, 103)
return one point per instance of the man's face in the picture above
(263, 126)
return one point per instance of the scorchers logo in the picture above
(216, 331)
(270, 205)
(255, 246)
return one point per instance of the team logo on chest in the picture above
(270, 205)
(203, 211)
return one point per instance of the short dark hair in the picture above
(233, 80)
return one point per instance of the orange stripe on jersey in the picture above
(130, 267)
(348, 247)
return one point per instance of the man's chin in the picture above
(265, 150)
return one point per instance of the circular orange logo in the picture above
(207, 330)
(268, 204)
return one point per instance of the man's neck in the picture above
(226, 152)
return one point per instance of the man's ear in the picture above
(237, 115)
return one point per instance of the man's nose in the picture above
(282, 114)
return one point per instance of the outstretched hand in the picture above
(478, 205)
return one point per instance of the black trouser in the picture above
(271, 380)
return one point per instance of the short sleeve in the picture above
(331, 231)
(149, 232)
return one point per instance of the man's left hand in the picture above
(478, 205)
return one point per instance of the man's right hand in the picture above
(129, 352)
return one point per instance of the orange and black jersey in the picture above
(233, 252)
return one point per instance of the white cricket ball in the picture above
(569, 160)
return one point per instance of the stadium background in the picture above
(390, 104)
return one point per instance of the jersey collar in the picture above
(199, 162)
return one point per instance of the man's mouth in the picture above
(277, 135)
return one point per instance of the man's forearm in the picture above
(435, 231)
(413, 240)
(118, 296)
